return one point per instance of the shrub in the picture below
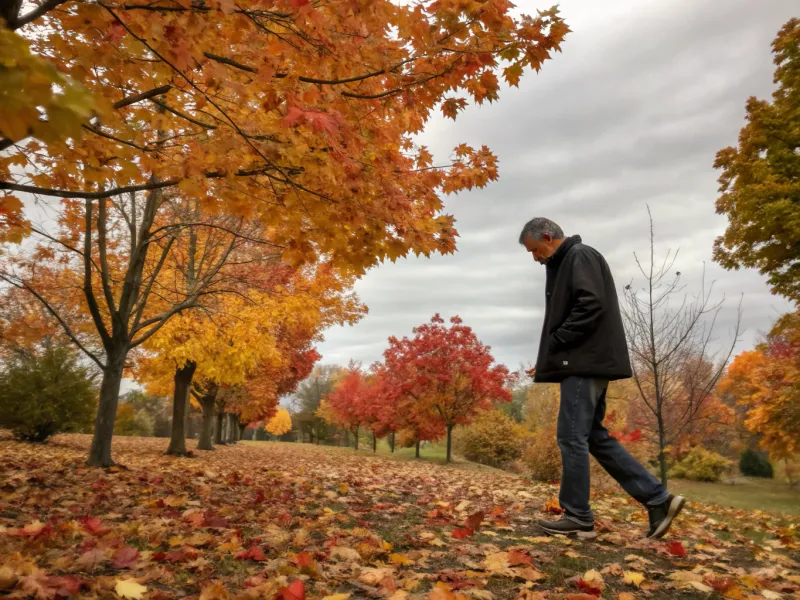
(755, 464)
(493, 439)
(46, 391)
(700, 465)
(541, 457)
(130, 421)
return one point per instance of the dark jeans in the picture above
(581, 431)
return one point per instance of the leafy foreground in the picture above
(291, 521)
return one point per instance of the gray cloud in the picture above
(630, 114)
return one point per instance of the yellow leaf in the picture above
(626, 596)
(233, 544)
(633, 578)
(387, 546)
(337, 597)
(400, 559)
(344, 488)
(594, 577)
(496, 561)
(702, 587)
(129, 588)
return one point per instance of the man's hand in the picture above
(531, 372)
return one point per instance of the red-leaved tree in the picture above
(447, 373)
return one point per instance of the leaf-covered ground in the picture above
(293, 521)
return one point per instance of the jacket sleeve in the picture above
(589, 294)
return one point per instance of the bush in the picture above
(493, 439)
(130, 421)
(541, 457)
(46, 391)
(700, 465)
(755, 464)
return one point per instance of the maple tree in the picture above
(760, 185)
(258, 339)
(347, 404)
(449, 371)
(286, 115)
(280, 423)
(766, 381)
(675, 372)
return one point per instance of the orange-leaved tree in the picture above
(298, 114)
(767, 382)
(244, 337)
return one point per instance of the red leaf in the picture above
(515, 557)
(299, 3)
(474, 521)
(589, 588)
(175, 556)
(294, 591)
(215, 521)
(65, 586)
(303, 559)
(253, 553)
(676, 549)
(460, 534)
(94, 525)
(115, 32)
(124, 558)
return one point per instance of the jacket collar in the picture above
(562, 250)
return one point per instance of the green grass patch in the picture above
(746, 494)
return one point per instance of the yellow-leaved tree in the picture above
(279, 424)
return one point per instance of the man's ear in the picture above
(547, 237)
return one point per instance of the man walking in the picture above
(583, 347)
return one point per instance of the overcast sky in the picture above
(631, 113)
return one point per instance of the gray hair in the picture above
(538, 226)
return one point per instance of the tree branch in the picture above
(37, 12)
(48, 307)
(148, 95)
(32, 189)
(88, 291)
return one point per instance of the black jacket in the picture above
(582, 333)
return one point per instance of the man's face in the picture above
(541, 249)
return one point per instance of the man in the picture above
(583, 347)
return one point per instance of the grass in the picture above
(745, 494)
(433, 452)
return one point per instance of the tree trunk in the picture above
(449, 441)
(100, 451)
(374, 442)
(417, 452)
(230, 429)
(219, 439)
(391, 442)
(208, 402)
(356, 434)
(242, 427)
(180, 400)
(662, 457)
(347, 438)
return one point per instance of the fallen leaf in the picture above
(676, 548)
(129, 588)
(124, 558)
(633, 578)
